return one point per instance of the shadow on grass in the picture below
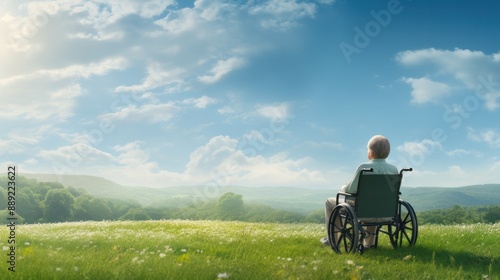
(439, 258)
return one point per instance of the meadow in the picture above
(181, 249)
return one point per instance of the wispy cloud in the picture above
(157, 76)
(201, 102)
(221, 68)
(463, 152)
(73, 71)
(489, 136)
(153, 113)
(56, 104)
(77, 155)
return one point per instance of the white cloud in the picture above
(179, 21)
(225, 163)
(157, 77)
(282, 15)
(218, 162)
(86, 71)
(83, 50)
(419, 150)
(476, 70)
(76, 156)
(131, 154)
(11, 146)
(73, 71)
(40, 103)
(221, 68)
(463, 152)
(260, 139)
(187, 19)
(51, 93)
(201, 102)
(226, 110)
(425, 90)
(489, 136)
(102, 13)
(278, 112)
(153, 113)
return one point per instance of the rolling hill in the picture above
(288, 198)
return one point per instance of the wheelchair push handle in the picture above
(366, 170)
(405, 169)
(371, 170)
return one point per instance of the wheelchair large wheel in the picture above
(343, 229)
(404, 230)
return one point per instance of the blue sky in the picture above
(254, 93)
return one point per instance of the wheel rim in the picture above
(343, 230)
(404, 231)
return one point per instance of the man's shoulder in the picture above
(379, 165)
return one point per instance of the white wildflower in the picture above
(162, 255)
(350, 262)
(222, 275)
(407, 258)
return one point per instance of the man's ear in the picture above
(370, 154)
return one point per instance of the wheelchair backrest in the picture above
(378, 195)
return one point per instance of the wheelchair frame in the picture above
(376, 203)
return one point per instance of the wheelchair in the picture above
(377, 203)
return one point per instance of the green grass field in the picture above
(237, 250)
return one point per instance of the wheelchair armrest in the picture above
(346, 196)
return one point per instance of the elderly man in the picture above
(378, 150)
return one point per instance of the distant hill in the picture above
(430, 198)
(288, 198)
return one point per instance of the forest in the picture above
(48, 202)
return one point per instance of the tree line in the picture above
(461, 215)
(52, 202)
(48, 202)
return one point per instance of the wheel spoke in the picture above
(406, 235)
(342, 230)
(404, 228)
